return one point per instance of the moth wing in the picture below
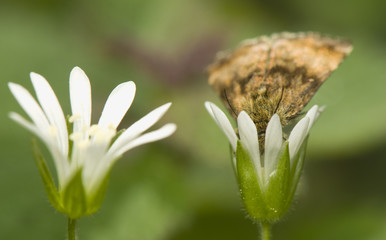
(285, 70)
(298, 66)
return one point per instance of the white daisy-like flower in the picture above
(268, 178)
(265, 164)
(89, 149)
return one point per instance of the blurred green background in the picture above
(183, 187)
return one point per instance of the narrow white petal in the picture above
(273, 143)
(93, 158)
(321, 109)
(100, 170)
(209, 109)
(297, 136)
(80, 96)
(313, 114)
(117, 105)
(52, 109)
(30, 106)
(140, 126)
(223, 122)
(29, 126)
(95, 173)
(249, 139)
(61, 163)
(155, 135)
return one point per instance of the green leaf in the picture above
(49, 185)
(277, 191)
(74, 197)
(94, 201)
(249, 186)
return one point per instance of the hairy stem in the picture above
(71, 229)
(265, 231)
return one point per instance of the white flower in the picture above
(88, 148)
(265, 164)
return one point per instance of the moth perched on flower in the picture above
(265, 84)
(83, 154)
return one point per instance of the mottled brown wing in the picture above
(277, 74)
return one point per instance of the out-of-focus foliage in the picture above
(183, 187)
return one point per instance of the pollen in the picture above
(53, 131)
(74, 117)
(93, 130)
(102, 136)
(111, 127)
(84, 144)
(76, 136)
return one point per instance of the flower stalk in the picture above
(265, 230)
(71, 229)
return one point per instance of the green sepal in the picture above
(250, 190)
(74, 197)
(276, 194)
(45, 174)
(296, 171)
(94, 201)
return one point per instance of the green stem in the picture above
(265, 230)
(71, 229)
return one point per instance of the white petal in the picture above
(297, 136)
(80, 96)
(95, 173)
(321, 109)
(93, 158)
(223, 122)
(29, 126)
(30, 106)
(249, 139)
(140, 126)
(52, 109)
(209, 109)
(101, 169)
(155, 135)
(117, 105)
(273, 143)
(60, 160)
(313, 114)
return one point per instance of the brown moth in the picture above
(276, 74)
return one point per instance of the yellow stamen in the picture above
(74, 117)
(76, 136)
(53, 131)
